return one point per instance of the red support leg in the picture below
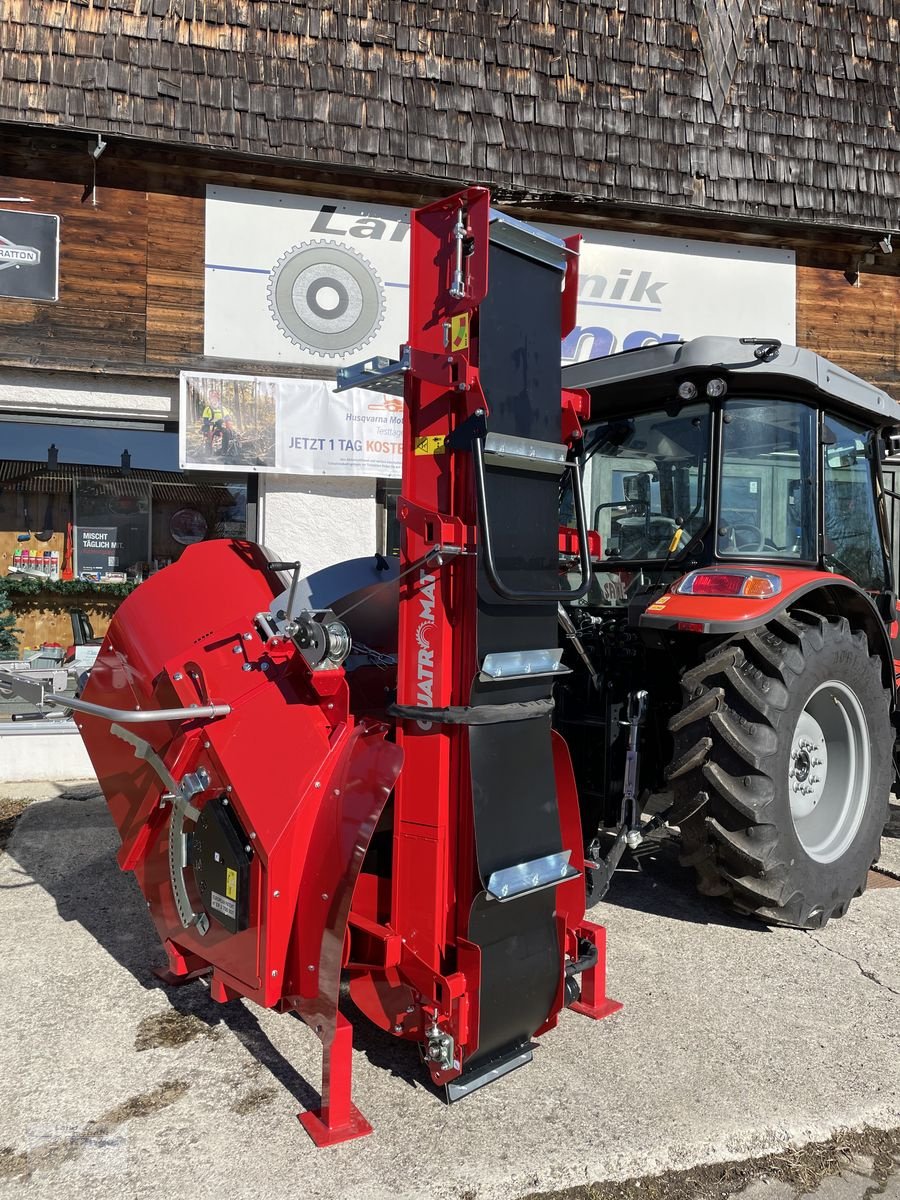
(594, 1001)
(182, 968)
(338, 1120)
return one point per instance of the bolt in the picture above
(206, 745)
(225, 800)
(276, 893)
(310, 967)
(411, 1008)
(337, 791)
(317, 784)
(264, 666)
(247, 849)
(324, 895)
(398, 1029)
(248, 637)
(253, 837)
(247, 667)
(236, 649)
(177, 676)
(329, 706)
(274, 973)
(229, 788)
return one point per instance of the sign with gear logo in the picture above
(313, 281)
(327, 299)
(303, 280)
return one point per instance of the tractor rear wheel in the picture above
(782, 768)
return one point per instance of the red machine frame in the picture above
(315, 911)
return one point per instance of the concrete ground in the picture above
(735, 1042)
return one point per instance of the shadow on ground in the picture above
(68, 847)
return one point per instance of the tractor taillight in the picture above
(759, 584)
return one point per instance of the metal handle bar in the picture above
(128, 716)
(13, 684)
(490, 567)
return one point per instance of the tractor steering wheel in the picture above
(756, 543)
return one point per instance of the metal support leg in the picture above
(338, 1120)
(594, 1001)
(182, 968)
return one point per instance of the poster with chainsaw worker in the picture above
(228, 421)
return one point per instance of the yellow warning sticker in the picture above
(459, 332)
(230, 883)
(660, 604)
(433, 443)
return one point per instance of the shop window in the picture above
(105, 503)
(386, 495)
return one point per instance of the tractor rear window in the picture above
(767, 486)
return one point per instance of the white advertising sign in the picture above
(313, 281)
(287, 426)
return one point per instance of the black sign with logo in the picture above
(29, 255)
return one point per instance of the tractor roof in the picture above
(644, 377)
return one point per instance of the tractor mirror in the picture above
(636, 489)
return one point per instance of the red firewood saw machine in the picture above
(307, 788)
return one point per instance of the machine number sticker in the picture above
(231, 883)
(220, 904)
(459, 332)
(431, 444)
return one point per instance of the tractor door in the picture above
(855, 536)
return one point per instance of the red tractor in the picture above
(741, 614)
(650, 591)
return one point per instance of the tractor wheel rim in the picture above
(828, 771)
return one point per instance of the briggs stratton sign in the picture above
(324, 282)
(29, 255)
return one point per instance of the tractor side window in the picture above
(767, 487)
(852, 543)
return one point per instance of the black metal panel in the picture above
(514, 793)
(221, 865)
(521, 963)
(513, 786)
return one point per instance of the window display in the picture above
(88, 511)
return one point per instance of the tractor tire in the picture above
(782, 769)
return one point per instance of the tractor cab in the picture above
(718, 453)
(731, 668)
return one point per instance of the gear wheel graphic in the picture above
(326, 299)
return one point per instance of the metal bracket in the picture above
(532, 876)
(441, 1049)
(379, 374)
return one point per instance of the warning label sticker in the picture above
(431, 444)
(227, 907)
(459, 332)
(231, 883)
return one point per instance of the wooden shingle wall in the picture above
(782, 109)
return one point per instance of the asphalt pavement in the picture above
(734, 1042)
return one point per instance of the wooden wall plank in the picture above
(855, 325)
(175, 277)
(101, 311)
